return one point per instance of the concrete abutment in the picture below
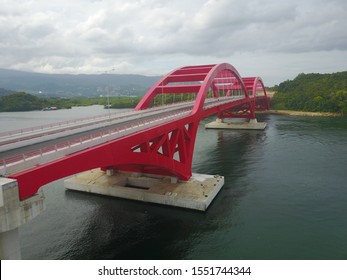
(13, 214)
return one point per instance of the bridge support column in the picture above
(197, 193)
(14, 213)
(235, 123)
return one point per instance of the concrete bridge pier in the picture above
(236, 123)
(14, 213)
(197, 193)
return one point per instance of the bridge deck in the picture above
(37, 147)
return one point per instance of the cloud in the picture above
(155, 36)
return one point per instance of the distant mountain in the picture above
(67, 85)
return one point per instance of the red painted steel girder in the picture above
(177, 89)
(165, 149)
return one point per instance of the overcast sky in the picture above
(274, 39)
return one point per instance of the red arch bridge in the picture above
(153, 138)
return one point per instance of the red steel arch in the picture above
(166, 149)
(262, 102)
(195, 79)
(258, 100)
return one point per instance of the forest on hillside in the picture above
(21, 101)
(313, 92)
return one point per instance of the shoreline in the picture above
(300, 113)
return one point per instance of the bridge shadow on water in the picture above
(82, 226)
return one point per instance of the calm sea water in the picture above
(285, 197)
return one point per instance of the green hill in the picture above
(21, 101)
(313, 92)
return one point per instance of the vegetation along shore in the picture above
(321, 93)
(300, 113)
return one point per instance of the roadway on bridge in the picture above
(58, 134)
(119, 125)
(28, 136)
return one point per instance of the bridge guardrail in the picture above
(27, 160)
(48, 126)
(57, 125)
